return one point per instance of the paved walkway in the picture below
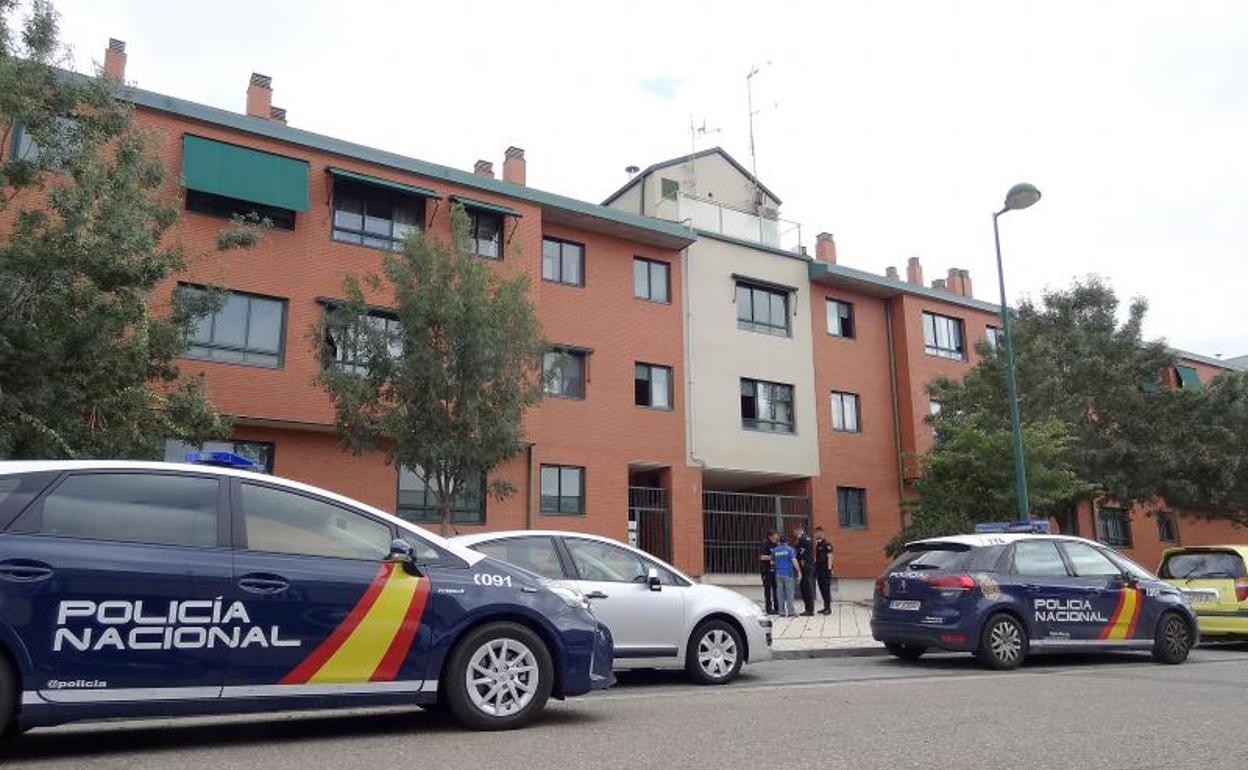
(846, 631)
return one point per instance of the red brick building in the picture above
(612, 449)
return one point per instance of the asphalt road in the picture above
(1119, 711)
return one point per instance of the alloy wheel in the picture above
(717, 653)
(1005, 642)
(502, 677)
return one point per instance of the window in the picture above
(349, 346)
(133, 507)
(851, 507)
(563, 489)
(942, 336)
(225, 207)
(995, 338)
(845, 412)
(652, 386)
(1038, 558)
(418, 501)
(605, 562)
(245, 330)
(651, 280)
(485, 233)
(259, 452)
(669, 188)
(23, 146)
(563, 262)
(379, 217)
(767, 406)
(67, 142)
(840, 318)
(284, 522)
(762, 309)
(1088, 561)
(536, 554)
(563, 372)
(1186, 377)
(1166, 530)
(1113, 527)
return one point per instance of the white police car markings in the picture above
(488, 579)
(181, 625)
(1067, 611)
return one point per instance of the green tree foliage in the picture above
(1096, 421)
(444, 391)
(85, 369)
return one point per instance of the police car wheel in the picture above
(715, 653)
(1003, 643)
(8, 699)
(1173, 641)
(499, 677)
(905, 651)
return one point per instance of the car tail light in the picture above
(881, 586)
(952, 582)
(1241, 589)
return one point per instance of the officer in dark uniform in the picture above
(768, 572)
(806, 558)
(823, 569)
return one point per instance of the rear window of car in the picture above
(1197, 565)
(943, 557)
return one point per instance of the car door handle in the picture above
(24, 571)
(595, 595)
(263, 584)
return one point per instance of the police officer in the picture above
(806, 558)
(823, 569)
(768, 571)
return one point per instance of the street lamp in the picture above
(1020, 196)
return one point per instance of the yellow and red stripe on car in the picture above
(370, 644)
(1126, 615)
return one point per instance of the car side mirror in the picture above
(652, 579)
(402, 552)
(1129, 580)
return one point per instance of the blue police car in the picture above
(1003, 596)
(137, 589)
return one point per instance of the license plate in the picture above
(1201, 595)
(902, 604)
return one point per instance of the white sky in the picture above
(896, 126)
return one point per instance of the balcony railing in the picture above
(715, 217)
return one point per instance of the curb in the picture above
(829, 652)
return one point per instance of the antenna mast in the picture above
(749, 103)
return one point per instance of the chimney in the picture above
(939, 283)
(825, 248)
(513, 165)
(966, 283)
(260, 97)
(277, 115)
(891, 273)
(954, 281)
(115, 60)
(914, 272)
(483, 168)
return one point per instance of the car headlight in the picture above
(570, 597)
(752, 610)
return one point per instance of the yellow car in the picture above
(1215, 579)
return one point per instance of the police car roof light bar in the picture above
(1033, 527)
(223, 460)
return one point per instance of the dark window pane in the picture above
(641, 385)
(285, 522)
(1088, 561)
(230, 327)
(134, 507)
(348, 211)
(745, 310)
(604, 562)
(536, 554)
(1038, 558)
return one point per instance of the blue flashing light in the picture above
(223, 460)
(1031, 527)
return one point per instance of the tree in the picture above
(85, 369)
(443, 391)
(1090, 394)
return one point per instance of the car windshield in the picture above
(1202, 565)
(945, 556)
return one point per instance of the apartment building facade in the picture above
(713, 381)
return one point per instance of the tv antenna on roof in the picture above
(696, 132)
(749, 101)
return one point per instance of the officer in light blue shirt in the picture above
(788, 572)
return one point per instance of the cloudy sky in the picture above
(896, 126)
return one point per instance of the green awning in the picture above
(469, 203)
(342, 173)
(243, 173)
(1188, 377)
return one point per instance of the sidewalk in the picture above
(846, 632)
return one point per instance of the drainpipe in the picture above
(528, 498)
(892, 382)
(688, 335)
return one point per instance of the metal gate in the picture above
(735, 523)
(650, 521)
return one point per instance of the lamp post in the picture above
(1020, 196)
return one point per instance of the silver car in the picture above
(658, 616)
